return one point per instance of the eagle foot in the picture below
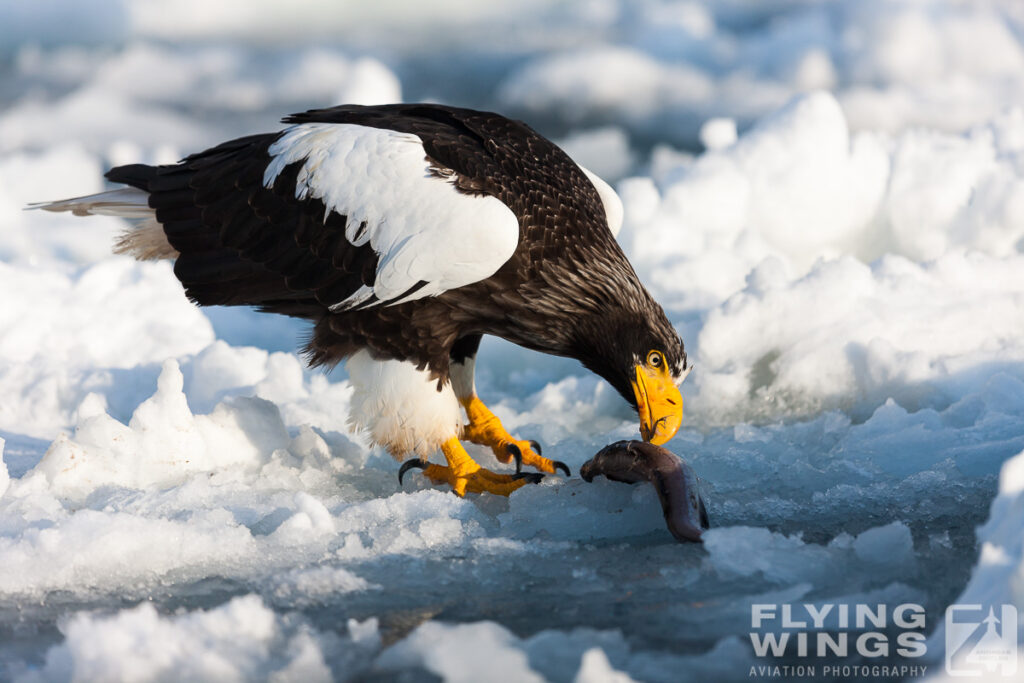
(464, 475)
(485, 428)
(513, 449)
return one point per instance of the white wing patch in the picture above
(423, 228)
(613, 210)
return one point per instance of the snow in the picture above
(944, 64)
(827, 197)
(718, 133)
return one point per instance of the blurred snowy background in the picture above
(827, 196)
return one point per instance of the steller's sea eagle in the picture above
(404, 233)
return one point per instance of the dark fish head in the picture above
(624, 461)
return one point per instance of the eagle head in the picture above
(640, 354)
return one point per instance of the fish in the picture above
(674, 480)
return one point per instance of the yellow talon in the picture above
(464, 475)
(485, 428)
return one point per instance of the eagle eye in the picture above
(655, 359)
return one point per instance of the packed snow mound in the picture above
(852, 336)
(796, 184)
(614, 83)
(843, 269)
(5, 477)
(70, 333)
(799, 186)
(164, 442)
(99, 529)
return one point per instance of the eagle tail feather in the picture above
(145, 241)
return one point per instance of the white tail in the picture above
(127, 202)
(145, 241)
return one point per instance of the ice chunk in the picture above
(718, 133)
(240, 640)
(886, 551)
(461, 653)
(889, 545)
(306, 586)
(749, 551)
(595, 668)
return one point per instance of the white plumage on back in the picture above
(423, 228)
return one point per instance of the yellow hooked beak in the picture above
(659, 403)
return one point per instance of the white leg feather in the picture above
(464, 377)
(399, 407)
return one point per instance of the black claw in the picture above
(517, 454)
(408, 465)
(536, 447)
(532, 477)
(559, 465)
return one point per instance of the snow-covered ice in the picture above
(827, 197)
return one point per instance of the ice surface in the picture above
(180, 497)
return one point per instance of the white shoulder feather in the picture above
(612, 203)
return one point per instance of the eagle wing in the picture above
(329, 214)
